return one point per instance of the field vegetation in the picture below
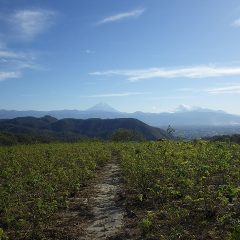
(184, 190)
(36, 180)
(175, 189)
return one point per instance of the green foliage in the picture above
(187, 190)
(126, 135)
(188, 186)
(235, 138)
(236, 233)
(147, 223)
(36, 180)
(47, 129)
(3, 235)
(11, 139)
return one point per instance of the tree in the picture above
(170, 130)
(126, 135)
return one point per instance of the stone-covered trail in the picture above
(107, 216)
(96, 212)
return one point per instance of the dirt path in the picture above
(107, 216)
(95, 213)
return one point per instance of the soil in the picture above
(96, 212)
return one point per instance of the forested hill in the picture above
(235, 138)
(98, 128)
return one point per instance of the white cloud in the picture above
(188, 108)
(28, 23)
(125, 94)
(222, 90)
(169, 97)
(8, 75)
(14, 59)
(21, 25)
(185, 108)
(230, 89)
(236, 23)
(13, 63)
(122, 16)
(8, 54)
(205, 71)
(88, 51)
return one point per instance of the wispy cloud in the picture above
(88, 51)
(21, 25)
(169, 97)
(190, 90)
(14, 63)
(229, 89)
(29, 23)
(8, 75)
(125, 94)
(187, 108)
(9, 54)
(222, 90)
(236, 23)
(122, 16)
(205, 71)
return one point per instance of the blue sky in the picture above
(147, 56)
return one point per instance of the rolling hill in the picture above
(95, 127)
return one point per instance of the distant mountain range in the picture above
(182, 117)
(77, 128)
